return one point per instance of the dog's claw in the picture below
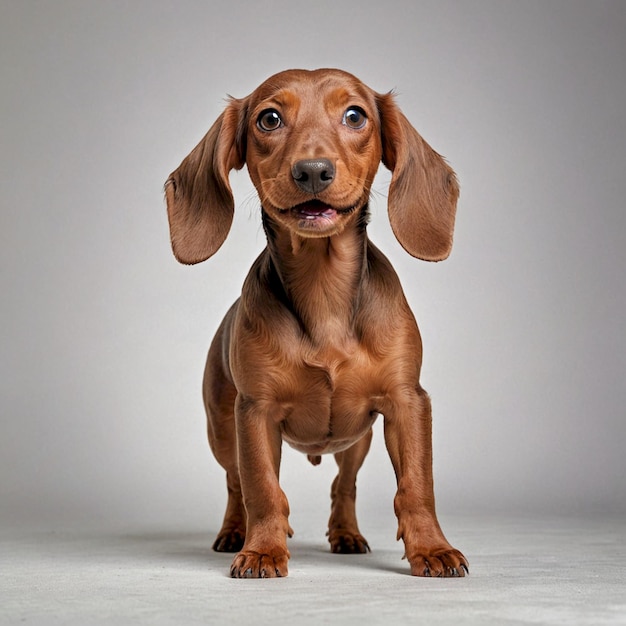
(229, 541)
(259, 565)
(348, 543)
(439, 564)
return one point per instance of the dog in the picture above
(322, 339)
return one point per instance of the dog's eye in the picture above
(269, 120)
(354, 117)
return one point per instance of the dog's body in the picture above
(322, 339)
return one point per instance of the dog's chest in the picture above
(336, 401)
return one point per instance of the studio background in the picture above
(104, 334)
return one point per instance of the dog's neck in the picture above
(320, 277)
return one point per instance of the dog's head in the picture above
(312, 141)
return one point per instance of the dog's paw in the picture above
(229, 540)
(248, 564)
(446, 563)
(345, 542)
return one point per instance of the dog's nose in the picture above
(313, 175)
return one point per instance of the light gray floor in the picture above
(523, 571)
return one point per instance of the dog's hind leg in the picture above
(219, 399)
(343, 531)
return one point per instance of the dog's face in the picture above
(313, 141)
(313, 145)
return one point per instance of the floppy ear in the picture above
(423, 191)
(199, 199)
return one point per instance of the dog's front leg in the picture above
(408, 436)
(264, 553)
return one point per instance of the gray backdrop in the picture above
(104, 335)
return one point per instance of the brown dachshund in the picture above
(322, 339)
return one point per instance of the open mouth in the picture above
(314, 210)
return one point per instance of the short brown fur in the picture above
(322, 339)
